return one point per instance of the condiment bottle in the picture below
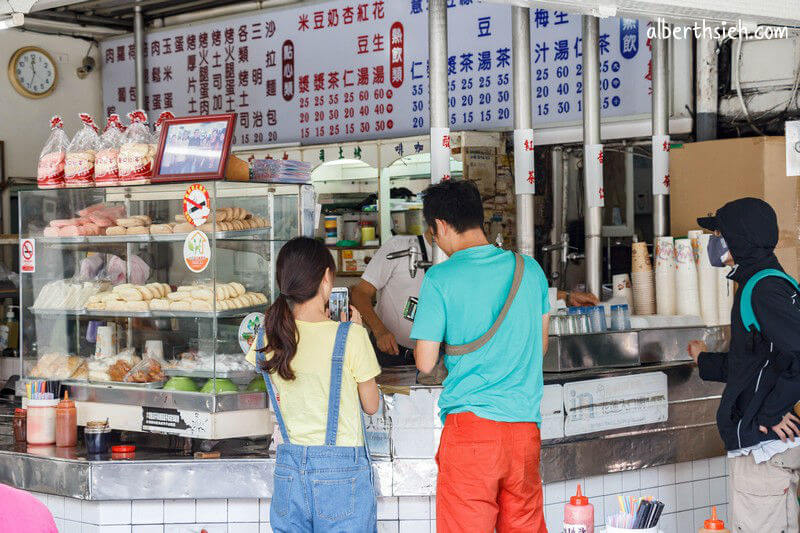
(712, 525)
(20, 424)
(41, 423)
(579, 514)
(66, 423)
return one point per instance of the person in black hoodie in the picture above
(761, 372)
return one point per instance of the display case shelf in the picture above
(250, 234)
(91, 313)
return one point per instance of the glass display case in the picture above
(141, 301)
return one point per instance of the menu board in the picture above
(346, 70)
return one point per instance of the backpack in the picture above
(746, 303)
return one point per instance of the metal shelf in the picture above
(230, 313)
(248, 234)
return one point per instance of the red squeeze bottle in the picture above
(579, 513)
(66, 423)
(713, 525)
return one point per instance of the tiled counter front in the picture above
(688, 490)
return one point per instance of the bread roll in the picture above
(138, 230)
(202, 305)
(136, 306)
(203, 294)
(181, 305)
(224, 305)
(147, 292)
(131, 222)
(156, 289)
(161, 229)
(130, 295)
(262, 298)
(183, 228)
(116, 230)
(159, 304)
(221, 215)
(166, 287)
(144, 218)
(179, 296)
(238, 287)
(251, 299)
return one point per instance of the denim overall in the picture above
(322, 488)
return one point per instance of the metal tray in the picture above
(239, 377)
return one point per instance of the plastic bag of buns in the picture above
(135, 160)
(106, 172)
(81, 153)
(50, 174)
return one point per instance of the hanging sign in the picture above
(196, 204)
(196, 251)
(524, 176)
(660, 164)
(349, 70)
(27, 255)
(593, 174)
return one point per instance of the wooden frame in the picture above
(219, 173)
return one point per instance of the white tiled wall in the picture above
(688, 490)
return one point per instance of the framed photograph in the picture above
(194, 148)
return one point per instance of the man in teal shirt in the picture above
(489, 452)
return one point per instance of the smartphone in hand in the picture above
(339, 302)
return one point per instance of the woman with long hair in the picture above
(324, 375)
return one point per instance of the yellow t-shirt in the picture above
(304, 401)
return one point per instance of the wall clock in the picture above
(32, 72)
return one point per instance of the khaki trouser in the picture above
(763, 497)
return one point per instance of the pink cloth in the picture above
(20, 511)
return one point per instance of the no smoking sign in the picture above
(27, 255)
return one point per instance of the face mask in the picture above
(718, 251)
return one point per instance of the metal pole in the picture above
(593, 216)
(138, 39)
(660, 130)
(707, 87)
(521, 73)
(437, 55)
(557, 166)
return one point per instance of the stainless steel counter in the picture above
(246, 471)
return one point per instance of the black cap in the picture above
(709, 223)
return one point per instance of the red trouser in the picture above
(489, 476)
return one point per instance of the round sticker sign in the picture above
(196, 204)
(196, 251)
(248, 330)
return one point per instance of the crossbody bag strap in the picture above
(422, 248)
(335, 395)
(461, 349)
(273, 400)
(749, 319)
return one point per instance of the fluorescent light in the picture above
(12, 21)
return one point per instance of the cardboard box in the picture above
(706, 175)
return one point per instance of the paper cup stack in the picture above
(708, 279)
(665, 275)
(693, 236)
(643, 281)
(686, 293)
(622, 288)
(724, 296)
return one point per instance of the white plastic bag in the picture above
(136, 154)
(81, 152)
(105, 166)
(50, 174)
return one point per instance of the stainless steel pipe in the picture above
(138, 40)
(521, 74)
(660, 128)
(437, 53)
(593, 216)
